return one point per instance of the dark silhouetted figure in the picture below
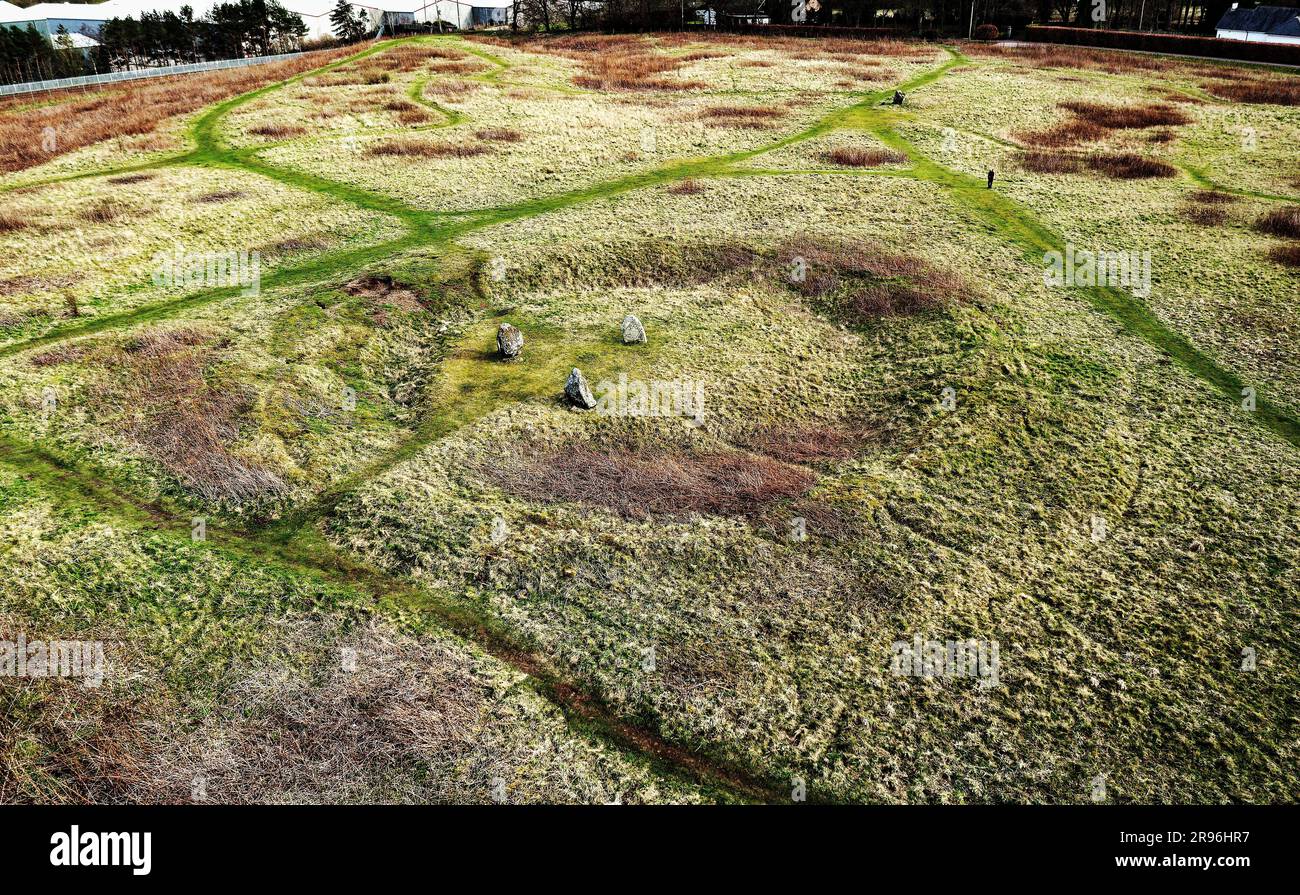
(898, 98)
(990, 178)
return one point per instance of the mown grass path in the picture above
(296, 543)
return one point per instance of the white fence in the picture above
(116, 76)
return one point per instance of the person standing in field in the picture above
(990, 186)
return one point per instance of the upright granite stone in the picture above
(510, 341)
(578, 392)
(633, 331)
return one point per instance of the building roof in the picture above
(1284, 20)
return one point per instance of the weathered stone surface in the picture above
(577, 390)
(510, 341)
(633, 331)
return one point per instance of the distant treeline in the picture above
(230, 31)
(919, 18)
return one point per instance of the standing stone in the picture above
(633, 331)
(578, 392)
(510, 341)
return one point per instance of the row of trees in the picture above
(26, 55)
(231, 30)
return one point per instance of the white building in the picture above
(1263, 24)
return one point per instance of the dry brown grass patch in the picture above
(1122, 117)
(221, 196)
(1212, 197)
(1130, 166)
(743, 112)
(1205, 215)
(638, 481)
(277, 131)
(1050, 162)
(858, 157)
(804, 444)
(687, 186)
(1283, 221)
(128, 179)
(13, 221)
(1287, 255)
(426, 149)
(1260, 91)
(499, 135)
(452, 87)
(1067, 133)
(104, 212)
(1090, 122)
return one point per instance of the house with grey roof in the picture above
(1264, 24)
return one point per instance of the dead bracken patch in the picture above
(452, 87)
(1122, 166)
(221, 196)
(750, 117)
(1130, 166)
(1063, 56)
(278, 131)
(1119, 117)
(460, 67)
(686, 187)
(104, 212)
(1281, 222)
(803, 443)
(1205, 215)
(1070, 132)
(1090, 122)
(1287, 255)
(499, 135)
(743, 112)
(1280, 91)
(1212, 197)
(425, 149)
(858, 157)
(1050, 162)
(12, 221)
(641, 481)
(127, 179)
(863, 281)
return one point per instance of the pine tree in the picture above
(347, 26)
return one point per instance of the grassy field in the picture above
(337, 549)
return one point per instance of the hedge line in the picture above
(1179, 44)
